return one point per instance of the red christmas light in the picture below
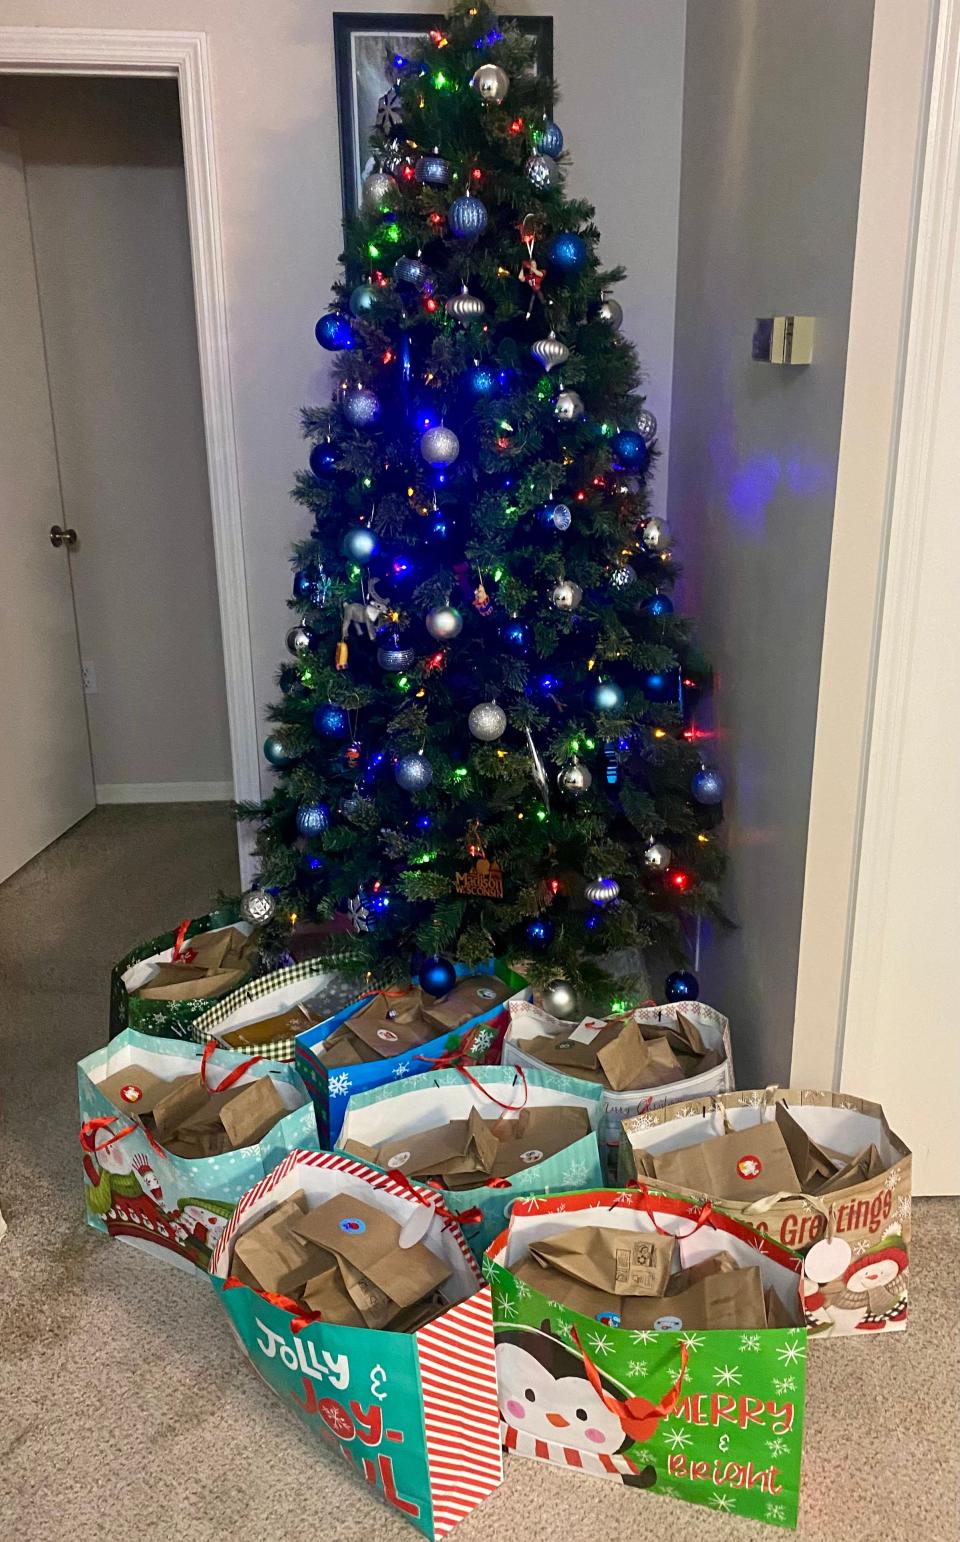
(389, 356)
(476, 174)
(581, 496)
(436, 660)
(680, 880)
(407, 172)
(503, 443)
(554, 885)
(516, 126)
(380, 279)
(429, 303)
(435, 218)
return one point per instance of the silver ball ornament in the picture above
(602, 892)
(439, 446)
(379, 194)
(559, 999)
(655, 535)
(575, 778)
(623, 576)
(487, 721)
(413, 772)
(301, 640)
(257, 907)
(444, 622)
(607, 696)
(558, 515)
(646, 426)
(491, 83)
(465, 307)
(541, 172)
(566, 595)
(657, 857)
(610, 311)
(361, 406)
(360, 544)
(550, 352)
(568, 407)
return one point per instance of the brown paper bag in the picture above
(187, 1096)
(811, 1163)
(410, 1318)
(681, 1033)
(566, 1290)
(620, 1263)
(342, 1049)
(387, 1008)
(537, 1133)
(469, 997)
(778, 1314)
(390, 1038)
(326, 1293)
(374, 1305)
(464, 1147)
(370, 1241)
(630, 1061)
(743, 1165)
(255, 1110)
(866, 1164)
(277, 1257)
(135, 1090)
(724, 1299)
(282, 1025)
(717, 1263)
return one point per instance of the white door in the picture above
(46, 779)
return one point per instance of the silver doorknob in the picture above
(60, 537)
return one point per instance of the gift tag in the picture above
(388, 1036)
(416, 1226)
(131, 1093)
(749, 1166)
(827, 1260)
(399, 1159)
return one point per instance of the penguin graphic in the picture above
(556, 1405)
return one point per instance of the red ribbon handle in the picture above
(639, 1418)
(703, 1214)
(232, 1077)
(182, 955)
(89, 1128)
(301, 1317)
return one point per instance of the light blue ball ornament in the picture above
(312, 818)
(360, 544)
(630, 451)
(274, 753)
(567, 252)
(607, 696)
(363, 300)
(467, 217)
(361, 406)
(706, 785)
(481, 381)
(437, 976)
(331, 721)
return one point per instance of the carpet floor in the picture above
(106, 1353)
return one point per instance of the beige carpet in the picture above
(126, 1408)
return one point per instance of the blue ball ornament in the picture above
(361, 406)
(567, 252)
(706, 785)
(481, 381)
(410, 270)
(312, 818)
(659, 685)
(681, 985)
(607, 696)
(323, 460)
(516, 635)
(467, 217)
(437, 976)
(363, 300)
(331, 721)
(630, 451)
(274, 753)
(657, 605)
(549, 138)
(433, 170)
(360, 544)
(334, 331)
(305, 583)
(539, 932)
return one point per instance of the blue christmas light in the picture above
(548, 683)
(439, 529)
(657, 605)
(515, 635)
(481, 381)
(539, 932)
(422, 418)
(424, 822)
(592, 921)
(658, 685)
(314, 862)
(399, 62)
(401, 567)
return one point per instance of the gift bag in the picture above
(415, 1412)
(425, 1119)
(396, 1047)
(266, 1014)
(209, 956)
(709, 1414)
(845, 1204)
(173, 1206)
(528, 1022)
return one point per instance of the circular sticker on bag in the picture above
(668, 1324)
(609, 1319)
(531, 1156)
(399, 1159)
(388, 1035)
(131, 1093)
(352, 1223)
(486, 993)
(749, 1167)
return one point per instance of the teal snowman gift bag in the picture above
(135, 1189)
(538, 1135)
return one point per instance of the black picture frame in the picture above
(359, 34)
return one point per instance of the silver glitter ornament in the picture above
(465, 307)
(559, 999)
(623, 576)
(550, 352)
(646, 426)
(393, 658)
(655, 535)
(258, 907)
(491, 83)
(379, 194)
(487, 721)
(444, 622)
(439, 446)
(603, 891)
(361, 406)
(575, 778)
(657, 857)
(413, 772)
(566, 595)
(541, 172)
(568, 407)
(301, 640)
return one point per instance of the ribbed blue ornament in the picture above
(567, 251)
(467, 217)
(312, 818)
(410, 270)
(657, 605)
(433, 170)
(549, 138)
(334, 331)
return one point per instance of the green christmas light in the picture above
(368, 482)
(373, 250)
(403, 683)
(460, 773)
(590, 744)
(574, 746)
(541, 814)
(440, 80)
(497, 575)
(544, 388)
(392, 233)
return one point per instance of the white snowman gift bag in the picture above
(136, 1190)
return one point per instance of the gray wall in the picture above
(104, 172)
(774, 102)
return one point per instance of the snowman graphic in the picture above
(557, 1406)
(842, 1294)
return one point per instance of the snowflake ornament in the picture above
(390, 113)
(727, 1376)
(482, 1040)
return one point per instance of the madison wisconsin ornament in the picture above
(484, 879)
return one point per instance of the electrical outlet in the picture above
(88, 674)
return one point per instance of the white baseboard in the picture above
(164, 792)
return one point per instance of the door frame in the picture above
(184, 56)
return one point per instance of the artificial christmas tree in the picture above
(484, 743)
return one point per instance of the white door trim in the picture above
(184, 55)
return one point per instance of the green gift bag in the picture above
(171, 1018)
(711, 1416)
(415, 1413)
(407, 1107)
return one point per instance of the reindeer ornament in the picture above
(361, 616)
